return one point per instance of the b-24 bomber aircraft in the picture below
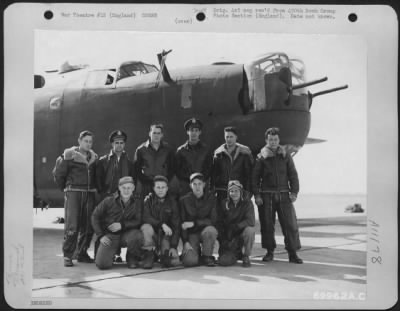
(268, 91)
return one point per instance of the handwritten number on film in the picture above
(375, 237)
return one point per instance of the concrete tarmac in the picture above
(333, 250)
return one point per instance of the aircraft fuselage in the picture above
(216, 94)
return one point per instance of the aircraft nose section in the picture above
(294, 127)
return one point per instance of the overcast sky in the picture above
(336, 166)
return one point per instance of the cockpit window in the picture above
(269, 65)
(134, 69)
(106, 78)
(275, 62)
(100, 78)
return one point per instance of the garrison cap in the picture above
(194, 176)
(126, 180)
(160, 178)
(193, 123)
(272, 131)
(117, 134)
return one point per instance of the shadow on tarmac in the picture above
(337, 260)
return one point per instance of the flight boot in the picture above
(246, 261)
(148, 259)
(293, 258)
(133, 264)
(269, 256)
(165, 259)
(208, 261)
(117, 259)
(68, 262)
(132, 261)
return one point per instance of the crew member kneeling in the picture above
(116, 222)
(235, 226)
(199, 217)
(160, 227)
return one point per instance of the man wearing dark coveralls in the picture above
(235, 226)
(111, 167)
(198, 218)
(231, 161)
(153, 157)
(275, 186)
(161, 225)
(116, 222)
(193, 156)
(74, 174)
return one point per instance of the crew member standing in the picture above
(153, 157)
(114, 165)
(275, 186)
(231, 161)
(74, 173)
(193, 156)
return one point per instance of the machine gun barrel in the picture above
(299, 86)
(330, 90)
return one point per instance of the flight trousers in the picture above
(155, 240)
(132, 239)
(244, 241)
(202, 243)
(241, 245)
(78, 231)
(278, 203)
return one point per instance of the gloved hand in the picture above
(259, 201)
(187, 224)
(167, 230)
(114, 227)
(186, 247)
(105, 240)
(265, 152)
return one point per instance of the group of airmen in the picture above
(133, 204)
